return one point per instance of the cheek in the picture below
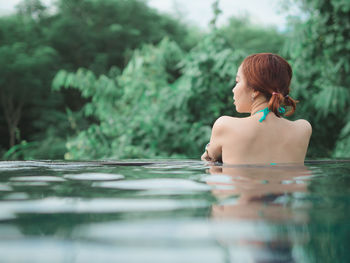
(242, 98)
(238, 91)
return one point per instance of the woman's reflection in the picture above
(255, 192)
(255, 200)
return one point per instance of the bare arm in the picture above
(213, 150)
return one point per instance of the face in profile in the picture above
(242, 93)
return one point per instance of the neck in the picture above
(258, 104)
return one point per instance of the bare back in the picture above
(246, 140)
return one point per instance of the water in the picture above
(173, 211)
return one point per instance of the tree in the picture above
(36, 43)
(97, 34)
(24, 67)
(319, 49)
(242, 34)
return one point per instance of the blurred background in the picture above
(114, 79)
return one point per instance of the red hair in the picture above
(271, 75)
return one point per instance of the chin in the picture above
(240, 110)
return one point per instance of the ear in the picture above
(255, 94)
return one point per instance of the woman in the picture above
(265, 137)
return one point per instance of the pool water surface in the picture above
(174, 211)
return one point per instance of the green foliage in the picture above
(319, 50)
(26, 66)
(210, 70)
(163, 103)
(132, 110)
(97, 34)
(82, 33)
(242, 34)
(50, 148)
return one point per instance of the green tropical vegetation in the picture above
(101, 79)
(319, 50)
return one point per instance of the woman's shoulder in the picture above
(303, 125)
(225, 121)
(299, 129)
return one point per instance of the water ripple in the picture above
(4, 187)
(38, 179)
(156, 184)
(101, 205)
(94, 176)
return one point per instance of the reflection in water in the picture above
(256, 193)
(252, 192)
